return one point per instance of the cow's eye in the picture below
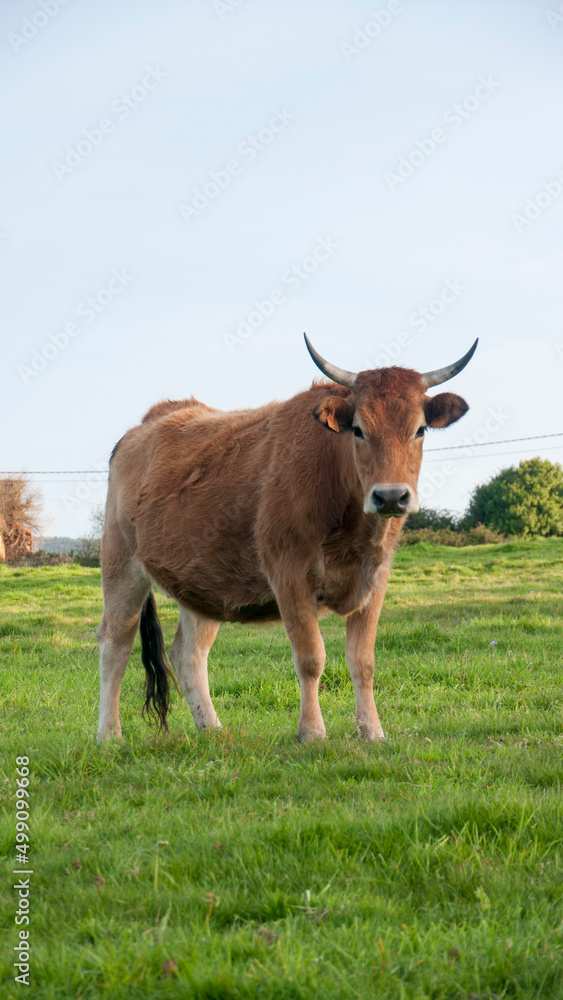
(358, 432)
(420, 432)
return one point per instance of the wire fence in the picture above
(470, 446)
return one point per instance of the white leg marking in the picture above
(360, 640)
(125, 592)
(188, 655)
(113, 662)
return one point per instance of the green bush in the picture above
(42, 558)
(428, 518)
(87, 551)
(524, 500)
(479, 535)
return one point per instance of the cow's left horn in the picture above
(339, 375)
(443, 374)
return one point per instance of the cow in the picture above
(284, 511)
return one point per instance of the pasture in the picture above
(240, 864)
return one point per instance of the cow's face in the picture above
(387, 413)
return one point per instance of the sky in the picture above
(188, 186)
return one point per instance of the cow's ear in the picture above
(444, 409)
(335, 413)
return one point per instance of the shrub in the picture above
(42, 559)
(20, 515)
(20, 502)
(428, 518)
(479, 535)
(524, 500)
(87, 551)
(437, 536)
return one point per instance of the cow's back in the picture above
(185, 486)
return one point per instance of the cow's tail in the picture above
(155, 662)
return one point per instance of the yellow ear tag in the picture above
(332, 423)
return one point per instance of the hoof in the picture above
(104, 736)
(371, 734)
(310, 735)
(207, 727)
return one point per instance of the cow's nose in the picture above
(391, 501)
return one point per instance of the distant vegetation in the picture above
(20, 517)
(479, 535)
(523, 501)
(444, 528)
(520, 502)
(59, 544)
(87, 549)
(61, 549)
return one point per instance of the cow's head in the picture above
(387, 411)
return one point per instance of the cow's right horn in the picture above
(339, 375)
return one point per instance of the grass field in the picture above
(427, 867)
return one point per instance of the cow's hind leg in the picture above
(188, 655)
(126, 587)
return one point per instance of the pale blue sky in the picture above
(344, 120)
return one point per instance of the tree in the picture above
(524, 500)
(20, 516)
(88, 549)
(426, 517)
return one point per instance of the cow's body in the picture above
(217, 500)
(257, 515)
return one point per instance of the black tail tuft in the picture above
(157, 671)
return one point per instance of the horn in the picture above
(339, 375)
(443, 374)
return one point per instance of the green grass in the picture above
(427, 867)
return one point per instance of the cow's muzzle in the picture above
(391, 501)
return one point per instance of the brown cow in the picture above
(255, 515)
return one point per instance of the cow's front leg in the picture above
(360, 641)
(299, 615)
